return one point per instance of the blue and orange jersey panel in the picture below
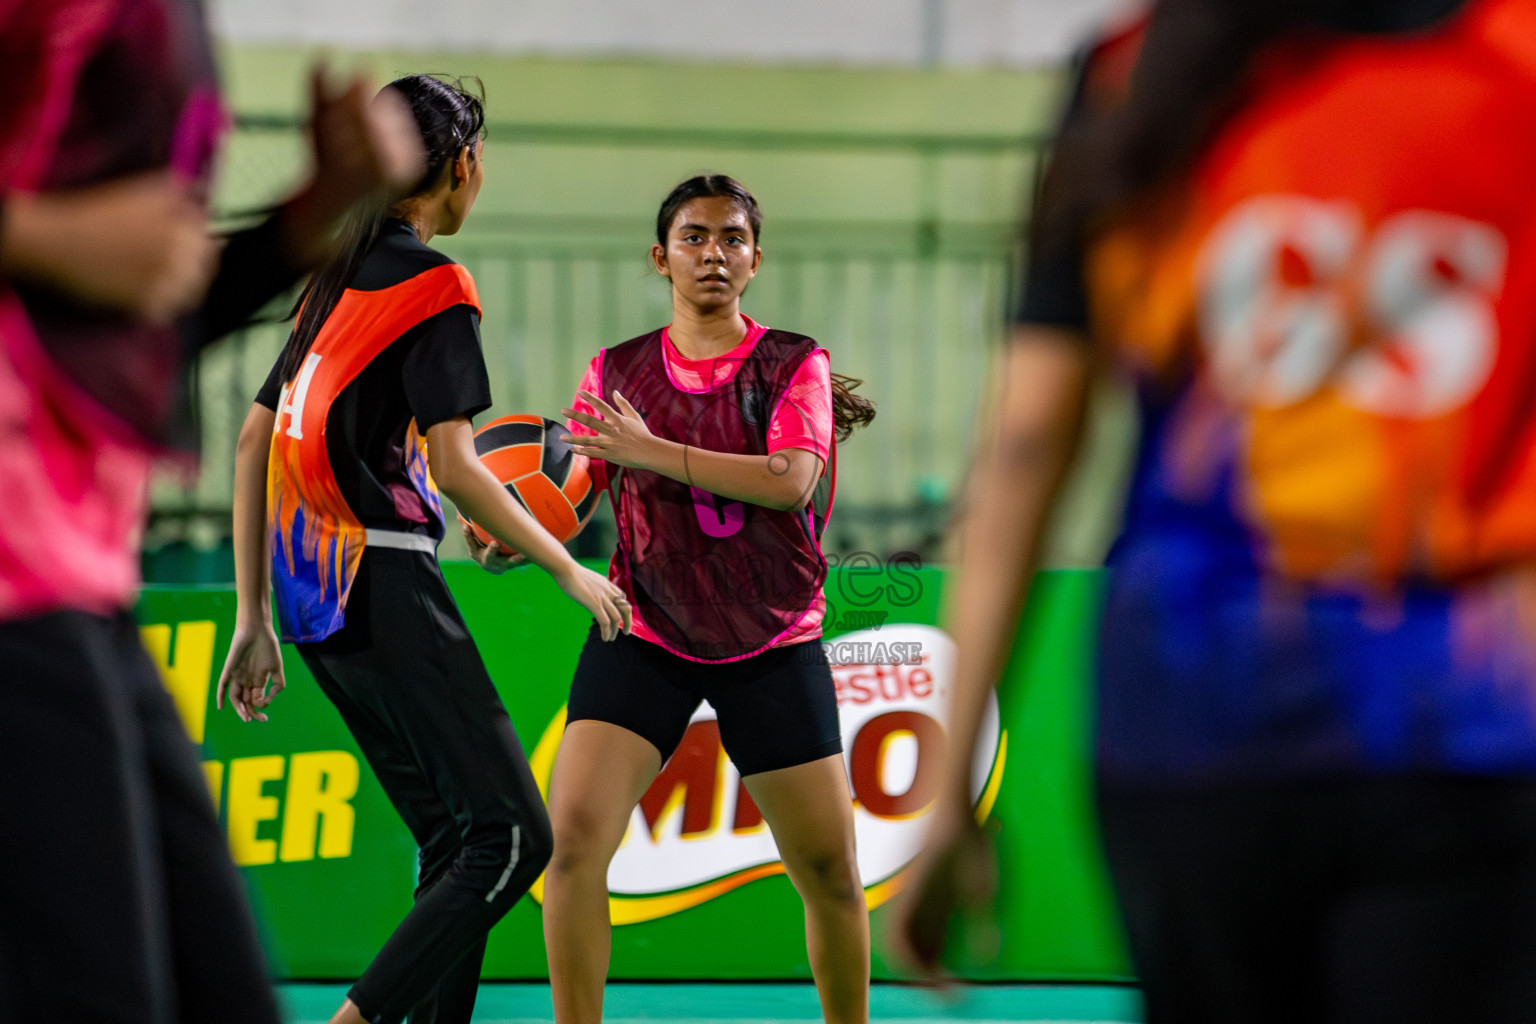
(1329, 554)
(1342, 298)
(317, 540)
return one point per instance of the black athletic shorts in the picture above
(776, 709)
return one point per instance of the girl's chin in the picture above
(712, 301)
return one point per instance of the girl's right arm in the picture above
(1025, 450)
(139, 245)
(481, 497)
(255, 657)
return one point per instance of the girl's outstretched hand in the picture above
(622, 437)
(255, 660)
(598, 595)
(954, 875)
(363, 149)
(362, 141)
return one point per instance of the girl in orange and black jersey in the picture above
(363, 418)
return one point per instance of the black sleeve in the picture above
(1052, 291)
(272, 389)
(444, 372)
(253, 270)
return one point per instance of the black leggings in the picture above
(412, 689)
(1364, 901)
(118, 898)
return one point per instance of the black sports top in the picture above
(433, 372)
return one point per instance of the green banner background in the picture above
(325, 916)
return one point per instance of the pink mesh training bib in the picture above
(715, 579)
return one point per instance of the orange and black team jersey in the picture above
(398, 355)
(1328, 560)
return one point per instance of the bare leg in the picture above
(811, 815)
(600, 773)
(348, 1014)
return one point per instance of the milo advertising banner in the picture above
(696, 833)
(697, 890)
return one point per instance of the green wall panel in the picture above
(893, 199)
(331, 870)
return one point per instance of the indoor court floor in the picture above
(742, 1003)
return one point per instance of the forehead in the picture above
(712, 212)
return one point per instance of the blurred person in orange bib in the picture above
(118, 899)
(1304, 229)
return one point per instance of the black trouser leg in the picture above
(1440, 926)
(1222, 912)
(425, 714)
(220, 968)
(118, 900)
(454, 997)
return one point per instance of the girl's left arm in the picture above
(783, 479)
(255, 657)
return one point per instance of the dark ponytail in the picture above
(451, 116)
(849, 411)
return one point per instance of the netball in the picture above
(541, 471)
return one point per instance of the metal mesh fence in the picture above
(912, 304)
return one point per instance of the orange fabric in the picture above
(303, 498)
(1348, 275)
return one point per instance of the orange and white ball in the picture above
(545, 475)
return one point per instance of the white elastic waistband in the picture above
(403, 541)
